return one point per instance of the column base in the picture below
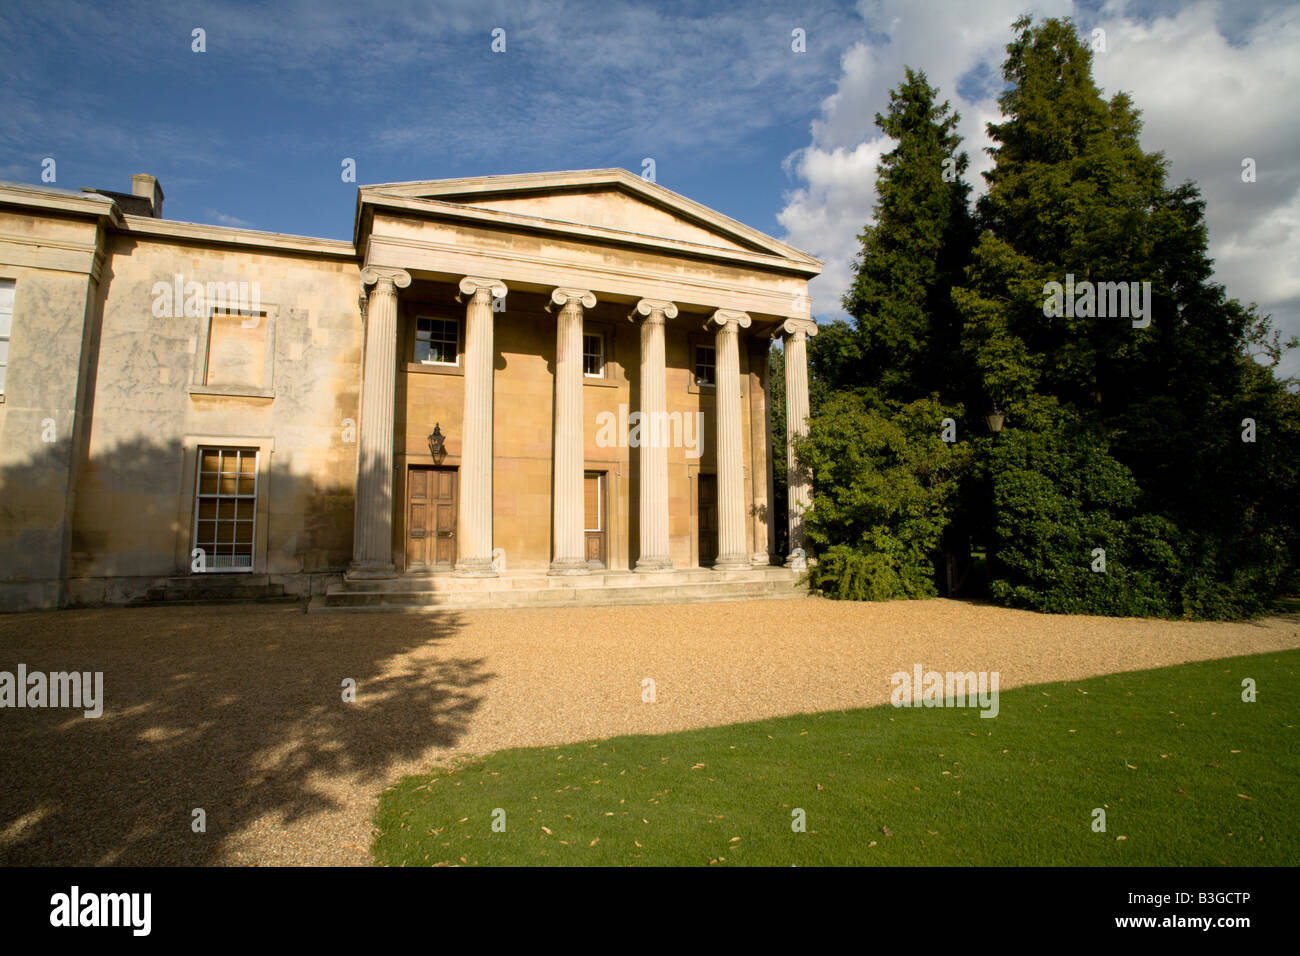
(731, 562)
(760, 560)
(369, 572)
(569, 566)
(474, 568)
(653, 565)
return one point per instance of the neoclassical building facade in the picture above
(553, 383)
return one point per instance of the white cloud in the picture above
(221, 219)
(825, 215)
(1206, 103)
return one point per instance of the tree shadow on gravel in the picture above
(235, 710)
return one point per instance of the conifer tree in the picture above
(906, 345)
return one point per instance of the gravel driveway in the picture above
(239, 710)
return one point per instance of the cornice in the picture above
(507, 258)
(228, 235)
(60, 201)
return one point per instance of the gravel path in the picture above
(238, 710)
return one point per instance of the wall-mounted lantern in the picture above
(994, 418)
(437, 441)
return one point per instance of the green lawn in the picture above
(1188, 774)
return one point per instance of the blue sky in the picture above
(253, 131)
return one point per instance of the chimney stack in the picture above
(146, 186)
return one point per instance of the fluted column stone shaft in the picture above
(474, 510)
(760, 451)
(569, 555)
(798, 477)
(372, 542)
(732, 553)
(653, 499)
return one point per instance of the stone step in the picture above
(215, 581)
(411, 599)
(536, 580)
(217, 589)
(192, 601)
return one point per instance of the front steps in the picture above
(435, 592)
(218, 589)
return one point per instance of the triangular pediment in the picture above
(604, 199)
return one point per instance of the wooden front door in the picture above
(594, 522)
(430, 518)
(708, 519)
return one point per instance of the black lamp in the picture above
(436, 441)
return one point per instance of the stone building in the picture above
(548, 387)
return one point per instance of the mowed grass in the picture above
(1187, 773)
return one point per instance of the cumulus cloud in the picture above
(1214, 87)
(1208, 102)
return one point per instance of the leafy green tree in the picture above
(886, 484)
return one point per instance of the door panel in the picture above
(708, 519)
(594, 521)
(417, 521)
(431, 518)
(445, 517)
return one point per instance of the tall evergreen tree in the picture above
(885, 389)
(1153, 410)
(911, 256)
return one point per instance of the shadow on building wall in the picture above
(132, 517)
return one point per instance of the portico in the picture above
(549, 386)
(511, 312)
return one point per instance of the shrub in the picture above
(885, 486)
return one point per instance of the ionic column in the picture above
(569, 556)
(474, 512)
(731, 476)
(653, 504)
(372, 541)
(760, 456)
(796, 426)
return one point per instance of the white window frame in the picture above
(600, 354)
(695, 365)
(210, 564)
(460, 346)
